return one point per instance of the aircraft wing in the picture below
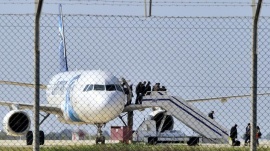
(225, 98)
(47, 108)
(30, 85)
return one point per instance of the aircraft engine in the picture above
(16, 123)
(158, 115)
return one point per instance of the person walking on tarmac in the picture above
(258, 134)
(233, 134)
(247, 134)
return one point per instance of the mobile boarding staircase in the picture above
(192, 117)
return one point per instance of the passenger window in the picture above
(99, 87)
(110, 87)
(118, 88)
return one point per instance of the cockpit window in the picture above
(118, 88)
(99, 87)
(110, 87)
(88, 87)
(85, 88)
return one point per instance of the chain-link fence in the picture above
(201, 65)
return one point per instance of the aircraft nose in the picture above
(116, 100)
(102, 108)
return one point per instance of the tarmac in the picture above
(22, 143)
(16, 143)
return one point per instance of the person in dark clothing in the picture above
(233, 133)
(156, 87)
(138, 90)
(131, 89)
(258, 134)
(147, 88)
(163, 88)
(131, 93)
(128, 91)
(211, 114)
(247, 134)
(143, 88)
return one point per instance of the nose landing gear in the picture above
(100, 138)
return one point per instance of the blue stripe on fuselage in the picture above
(69, 111)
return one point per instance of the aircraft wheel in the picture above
(102, 139)
(152, 140)
(97, 140)
(29, 138)
(41, 137)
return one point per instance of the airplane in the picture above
(76, 97)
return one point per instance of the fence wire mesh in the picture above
(204, 63)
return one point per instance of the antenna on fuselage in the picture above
(62, 46)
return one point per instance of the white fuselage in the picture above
(90, 97)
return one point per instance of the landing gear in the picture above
(152, 140)
(41, 137)
(29, 134)
(29, 138)
(100, 138)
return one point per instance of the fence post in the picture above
(254, 78)
(38, 7)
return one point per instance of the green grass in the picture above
(133, 147)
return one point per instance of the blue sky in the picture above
(202, 68)
(136, 7)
